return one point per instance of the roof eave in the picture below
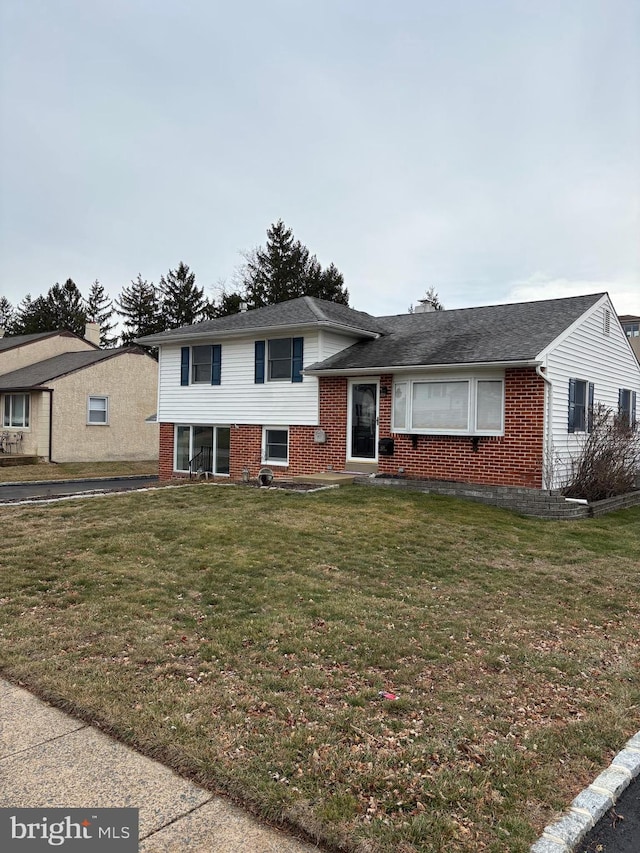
(226, 334)
(23, 389)
(412, 368)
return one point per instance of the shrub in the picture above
(608, 463)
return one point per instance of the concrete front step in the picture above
(329, 478)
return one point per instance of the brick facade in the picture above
(514, 459)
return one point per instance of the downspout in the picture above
(50, 390)
(547, 439)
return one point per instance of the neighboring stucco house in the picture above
(631, 326)
(65, 400)
(497, 395)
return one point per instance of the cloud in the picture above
(625, 294)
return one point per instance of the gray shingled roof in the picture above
(12, 341)
(38, 374)
(497, 333)
(304, 311)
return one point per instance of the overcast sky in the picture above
(490, 148)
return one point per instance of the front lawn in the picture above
(75, 470)
(243, 637)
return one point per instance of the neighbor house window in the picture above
(16, 411)
(580, 405)
(202, 448)
(451, 406)
(275, 445)
(98, 410)
(279, 360)
(627, 406)
(201, 365)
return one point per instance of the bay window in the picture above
(460, 405)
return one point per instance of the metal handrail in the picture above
(201, 462)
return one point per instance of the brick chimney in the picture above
(92, 333)
(424, 306)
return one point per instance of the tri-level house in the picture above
(499, 395)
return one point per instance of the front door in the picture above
(364, 421)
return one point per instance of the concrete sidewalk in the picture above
(51, 760)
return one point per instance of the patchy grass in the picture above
(243, 637)
(74, 470)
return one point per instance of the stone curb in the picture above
(590, 805)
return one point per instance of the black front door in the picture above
(364, 420)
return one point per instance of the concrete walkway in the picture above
(51, 760)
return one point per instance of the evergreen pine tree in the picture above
(66, 308)
(284, 269)
(7, 315)
(100, 310)
(182, 302)
(140, 307)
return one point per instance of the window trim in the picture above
(263, 360)
(629, 411)
(472, 380)
(104, 397)
(188, 365)
(264, 457)
(214, 449)
(7, 413)
(586, 421)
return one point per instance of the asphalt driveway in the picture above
(10, 492)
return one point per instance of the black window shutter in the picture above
(620, 400)
(216, 363)
(633, 409)
(184, 366)
(259, 369)
(590, 407)
(572, 406)
(296, 364)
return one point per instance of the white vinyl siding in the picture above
(586, 353)
(238, 399)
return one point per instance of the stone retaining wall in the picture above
(539, 503)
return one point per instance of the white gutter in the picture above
(547, 442)
(412, 368)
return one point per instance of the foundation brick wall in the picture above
(514, 459)
(165, 463)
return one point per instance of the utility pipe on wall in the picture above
(548, 436)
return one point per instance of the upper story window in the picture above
(98, 410)
(279, 360)
(632, 329)
(16, 411)
(455, 406)
(201, 365)
(580, 405)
